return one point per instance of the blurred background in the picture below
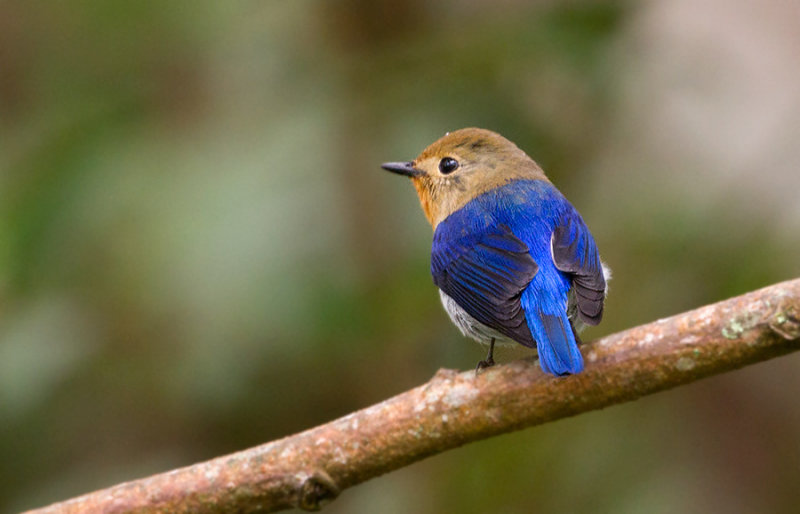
(199, 252)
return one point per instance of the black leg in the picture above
(488, 362)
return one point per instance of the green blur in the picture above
(199, 251)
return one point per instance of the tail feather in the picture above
(556, 344)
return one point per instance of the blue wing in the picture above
(575, 253)
(486, 273)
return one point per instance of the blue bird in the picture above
(512, 258)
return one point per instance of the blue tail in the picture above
(555, 341)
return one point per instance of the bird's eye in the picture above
(448, 165)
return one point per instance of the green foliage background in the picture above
(200, 253)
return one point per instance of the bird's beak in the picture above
(402, 168)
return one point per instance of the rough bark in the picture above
(309, 469)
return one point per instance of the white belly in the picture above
(469, 326)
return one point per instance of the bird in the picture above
(513, 259)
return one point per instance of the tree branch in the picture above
(309, 469)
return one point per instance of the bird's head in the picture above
(462, 165)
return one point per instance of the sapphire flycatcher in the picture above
(513, 259)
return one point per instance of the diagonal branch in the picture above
(309, 469)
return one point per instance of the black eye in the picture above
(448, 165)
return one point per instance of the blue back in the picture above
(495, 259)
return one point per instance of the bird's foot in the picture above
(486, 363)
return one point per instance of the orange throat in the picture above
(425, 198)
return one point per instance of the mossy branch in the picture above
(308, 469)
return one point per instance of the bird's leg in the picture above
(488, 362)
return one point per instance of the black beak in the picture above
(402, 168)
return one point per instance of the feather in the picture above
(512, 259)
(555, 341)
(574, 252)
(485, 274)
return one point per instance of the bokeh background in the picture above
(200, 253)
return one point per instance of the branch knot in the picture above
(786, 320)
(316, 491)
